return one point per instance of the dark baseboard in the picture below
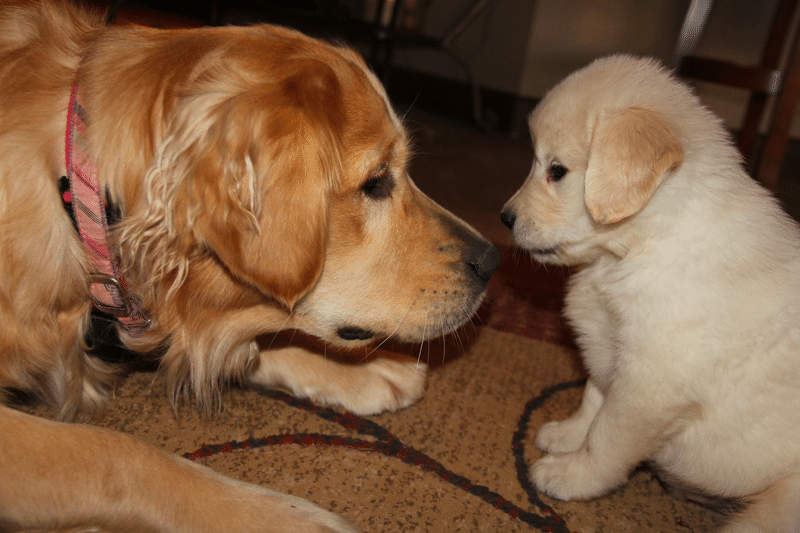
(500, 112)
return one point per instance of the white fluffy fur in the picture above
(687, 303)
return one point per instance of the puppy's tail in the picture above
(776, 510)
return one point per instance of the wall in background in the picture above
(524, 47)
(566, 35)
(493, 45)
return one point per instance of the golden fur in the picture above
(261, 179)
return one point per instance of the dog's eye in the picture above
(380, 185)
(557, 172)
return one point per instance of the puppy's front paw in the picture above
(571, 476)
(387, 385)
(561, 437)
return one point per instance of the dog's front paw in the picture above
(363, 389)
(572, 476)
(387, 385)
(561, 437)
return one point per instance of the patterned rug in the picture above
(456, 461)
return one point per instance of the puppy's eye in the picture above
(380, 185)
(557, 172)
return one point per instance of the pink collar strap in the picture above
(107, 286)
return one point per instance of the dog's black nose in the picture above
(484, 260)
(508, 218)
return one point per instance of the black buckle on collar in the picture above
(101, 337)
(103, 340)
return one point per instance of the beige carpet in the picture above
(456, 461)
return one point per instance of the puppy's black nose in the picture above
(508, 218)
(484, 260)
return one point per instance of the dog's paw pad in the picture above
(557, 477)
(572, 476)
(389, 385)
(561, 437)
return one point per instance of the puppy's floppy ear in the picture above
(247, 172)
(631, 151)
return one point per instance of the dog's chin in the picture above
(347, 336)
(547, 255)
(355, 334)
(351, 334)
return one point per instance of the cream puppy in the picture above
(687, 303)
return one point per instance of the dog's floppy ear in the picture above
(631, 151)
(246, 174)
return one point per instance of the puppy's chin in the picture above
(547, 255)
(569, 253)
(563, 255)
(544, 255)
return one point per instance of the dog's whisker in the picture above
(517, 254)
(459, 341)
(419, 355)
(408, 311)
(422, 342)
(444, 340)
(278, 331)
(428, 360)
(410, 107)
(471, 317)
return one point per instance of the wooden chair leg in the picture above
(776, 40)
(750, 127)
(769, 167)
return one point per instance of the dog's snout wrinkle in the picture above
(484, 261)
(508, 218)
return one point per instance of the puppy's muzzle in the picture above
(508, 217)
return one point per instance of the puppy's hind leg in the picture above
(568, 435)
(776, 510)
(365, 389)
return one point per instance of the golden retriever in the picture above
(685, 300)
(256, 181)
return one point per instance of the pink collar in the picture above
(107, 286)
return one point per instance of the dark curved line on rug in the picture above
(518, 446)
(386, 444)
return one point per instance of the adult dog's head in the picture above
(275, 190)
(619, 147)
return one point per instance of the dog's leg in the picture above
(57, 475)
(631, 424)
(776, 510)
(568, 435)
(367, 389)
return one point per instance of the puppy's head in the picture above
(281, 177)
(604, 139)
